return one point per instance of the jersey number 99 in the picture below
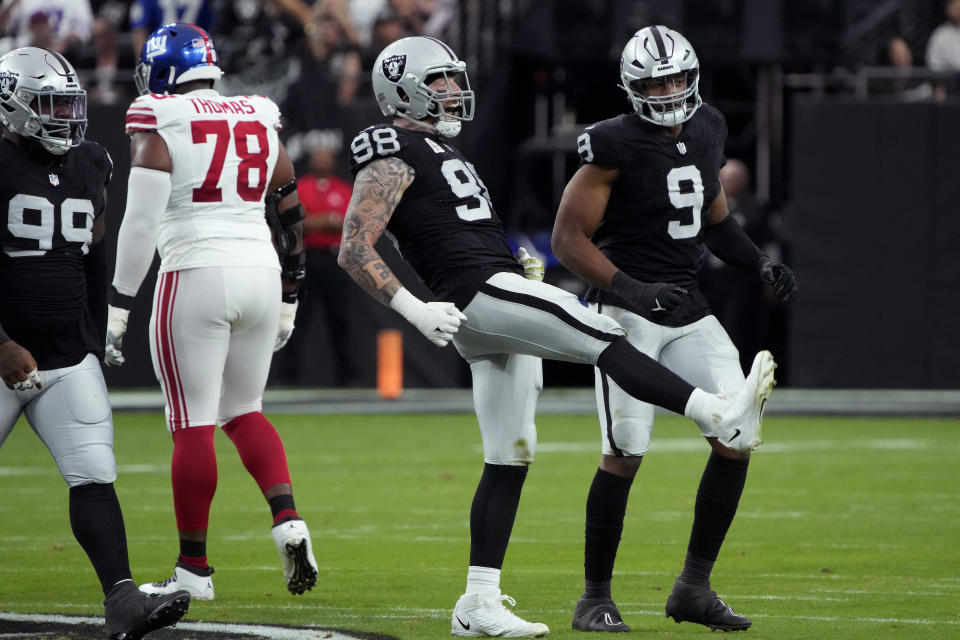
(42, 224)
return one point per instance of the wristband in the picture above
(119, 300)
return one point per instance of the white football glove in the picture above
(438, 321)
(288, 311)
(116, 328)
(533, 266)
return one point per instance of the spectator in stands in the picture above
(40, 31)
(425, 17)
(896, 54)
(147, 15)
(117, 12)
(255, 39)
(943, 49)
(362, 15)
(413, 13)
(440, 13)
(328, 78)
(329, 292)
(61, 25)
(334, 43)
(388, 27)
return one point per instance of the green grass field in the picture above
(848, 528)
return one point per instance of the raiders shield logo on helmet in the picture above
(393, 66)
(8, 82)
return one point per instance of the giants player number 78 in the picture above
(214, 211)
(204, 168)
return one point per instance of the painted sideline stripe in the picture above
(252, 630)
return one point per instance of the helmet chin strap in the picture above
(444, 128)
(669, 118)
(448, 128)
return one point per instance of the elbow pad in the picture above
(293, 268)
(282, 192)
(284, 235)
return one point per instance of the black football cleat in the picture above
(598, 614)
(131, 614)
(699, 604)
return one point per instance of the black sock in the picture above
(193, 548)
(717, 499)
(283, 502)
(606, 506)
(643, 377)
(696, 570)
(493, 512)
(97, 524)
(595, 590)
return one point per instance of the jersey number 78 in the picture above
(249, 159)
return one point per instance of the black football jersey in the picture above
(652, 228)
(46, 227)
(444, 225)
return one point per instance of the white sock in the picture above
(483, 580)
(704, 408)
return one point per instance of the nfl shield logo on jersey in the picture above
(54, 179)
(682, 148)
(393, 67)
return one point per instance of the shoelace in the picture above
(508, 618)
(722, 603)
(164, 583)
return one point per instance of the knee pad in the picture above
(91, 463)
(515, 451)
(629, 435)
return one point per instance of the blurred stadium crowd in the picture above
(543, 70)
(307, 55)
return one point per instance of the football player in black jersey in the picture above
(52, 294)
(632, 223)
(411, 182)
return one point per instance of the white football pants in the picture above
(211, 339)
(701, 353)
(511, 323)
(72, 417)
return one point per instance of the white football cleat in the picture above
(485, 615)
(740, 424)
(196, 582)
(296, 552)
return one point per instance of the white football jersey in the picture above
(224, 149)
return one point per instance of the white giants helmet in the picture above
(400, 78)
(657, 56)
(41, 98)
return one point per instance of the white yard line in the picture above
(251, 630)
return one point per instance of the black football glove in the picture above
(781, 278)
(655, 296)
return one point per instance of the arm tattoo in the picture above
(376, 193)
